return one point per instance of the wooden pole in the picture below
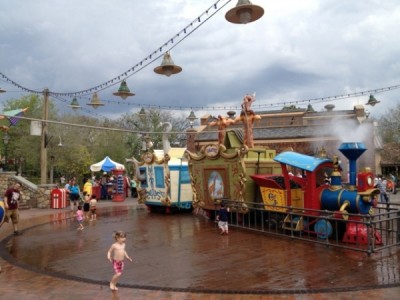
(43, 148)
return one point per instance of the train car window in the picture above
(159, 176)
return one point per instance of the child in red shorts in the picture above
(116, 255)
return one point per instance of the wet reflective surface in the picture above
(185, 252)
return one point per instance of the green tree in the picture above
(149, 125)
(389, 130)
(22, 144)
(85, 140)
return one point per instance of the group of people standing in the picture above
(87, 211)
(108, 183)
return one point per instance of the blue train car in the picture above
(164, 181)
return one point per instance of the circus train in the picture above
(252, 178)
(247, 178)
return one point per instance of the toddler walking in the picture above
(222, 219)
(79, 217)
(116, 255)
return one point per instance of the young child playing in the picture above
(93, 203)
(222, 219)
(86, 204)
(116, 255)
(79, 217)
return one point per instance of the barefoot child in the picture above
(79, 217)
(86, 204)
(93, 203)
(116, 255)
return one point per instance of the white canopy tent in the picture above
(107, 164)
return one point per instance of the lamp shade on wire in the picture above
(95, 102)
(244, 12)
(167, 66)
(123, 91)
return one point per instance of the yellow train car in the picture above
(219, 172)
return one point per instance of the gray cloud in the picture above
(298, 50)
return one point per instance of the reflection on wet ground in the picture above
(185, 251)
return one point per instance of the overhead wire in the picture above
(155, 55)
(171, 43)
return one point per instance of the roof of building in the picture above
(274, 132)
(291, 123)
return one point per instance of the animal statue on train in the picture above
(167, 127)
(139, 177)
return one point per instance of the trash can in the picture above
(58, 198)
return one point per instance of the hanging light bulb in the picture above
(123, 91)
(95, 102)
(60, 144)
(74, 104)
(167, 66)
(310, 108)
(372, 101)
(192, 117)
(142, 112)
(244, 12)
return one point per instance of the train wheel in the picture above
(323, 229)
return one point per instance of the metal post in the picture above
(52, 169)
(20, 162)
(43, 149)
(6, 139)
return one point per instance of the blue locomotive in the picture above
(316, 187)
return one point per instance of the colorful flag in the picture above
(12, 115)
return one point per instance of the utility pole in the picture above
(43, 148)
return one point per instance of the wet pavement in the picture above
(180, 256)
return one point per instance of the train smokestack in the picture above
(352, 151)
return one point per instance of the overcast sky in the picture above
(298, 50)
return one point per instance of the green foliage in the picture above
(76, 163)
(389, 130)
(22, 144)
(290, 108)
(389, 126)
(87, 143)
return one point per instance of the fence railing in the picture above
(366, 233)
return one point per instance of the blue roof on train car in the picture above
(301, 161)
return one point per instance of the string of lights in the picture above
(103, 128)
(143, 132)
(171, 43)
(153, 56)
(258, 106)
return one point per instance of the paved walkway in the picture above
(179, 257)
